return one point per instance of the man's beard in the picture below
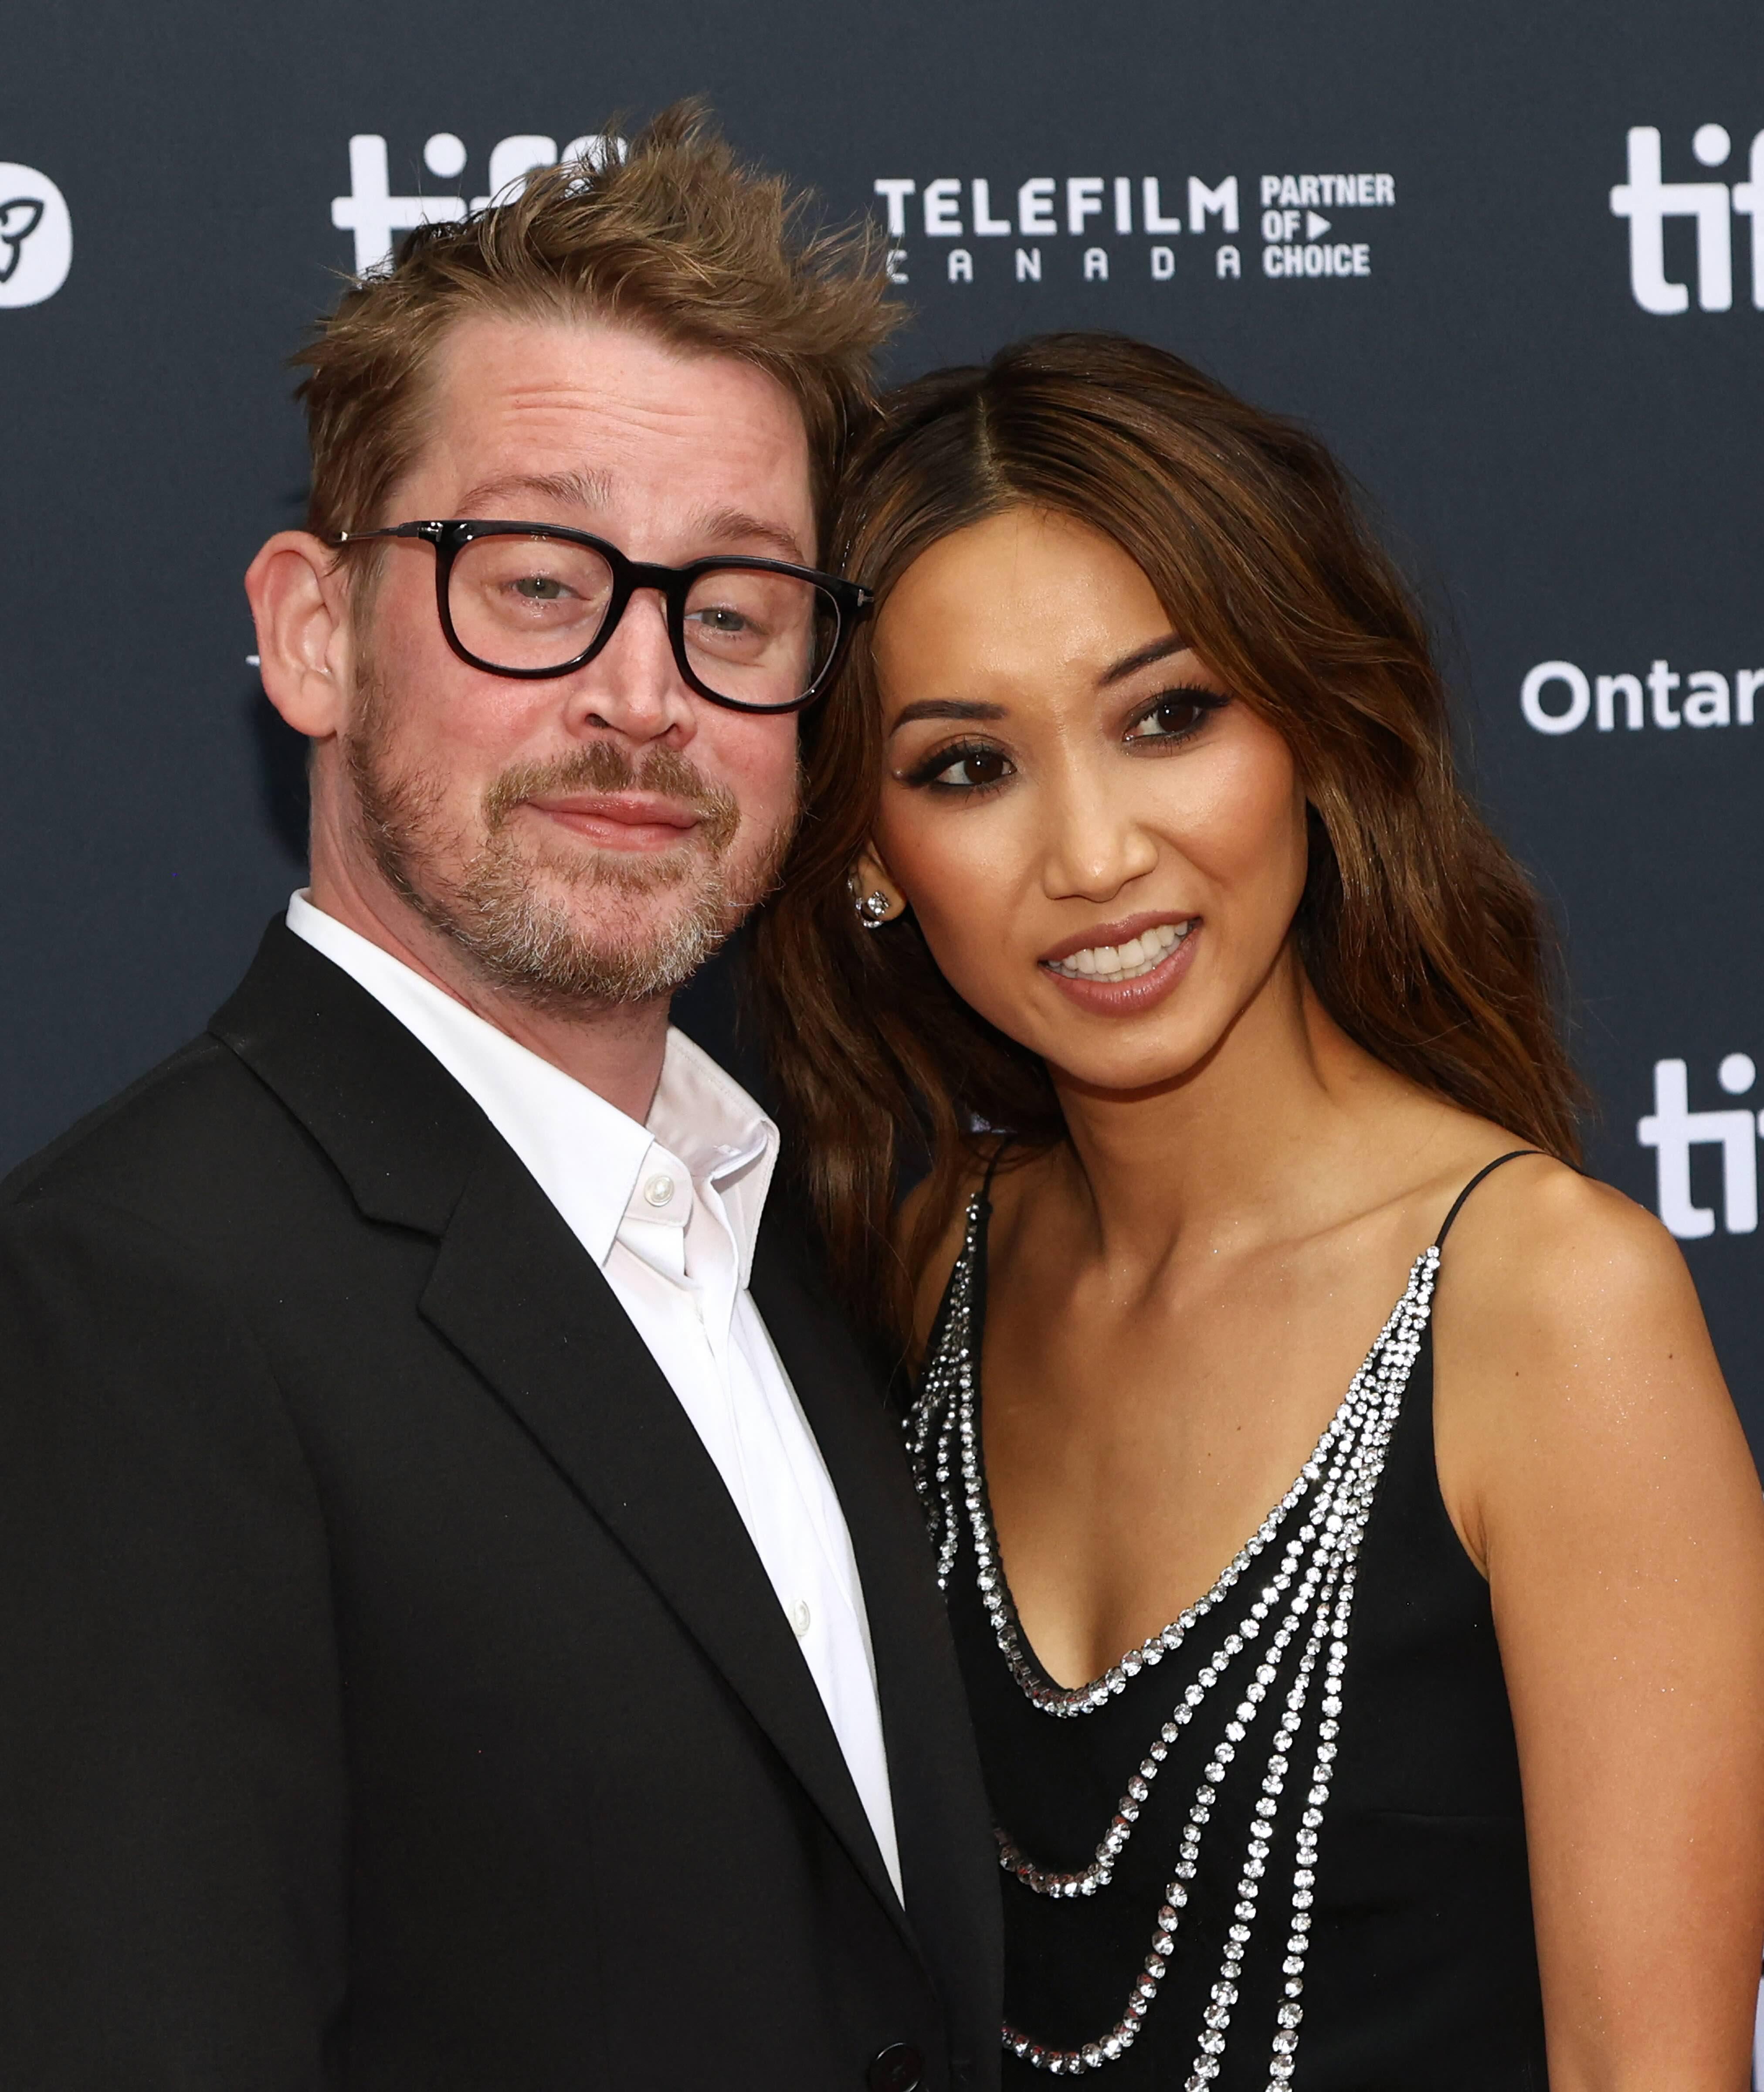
(484, 894)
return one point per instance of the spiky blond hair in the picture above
(678, 239)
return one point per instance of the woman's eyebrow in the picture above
(1143, 657)
(944, 708)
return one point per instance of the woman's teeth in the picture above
(1123, 962)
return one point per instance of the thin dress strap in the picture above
(991, 1168)
(1512, 1155)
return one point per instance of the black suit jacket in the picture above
(390, 1694)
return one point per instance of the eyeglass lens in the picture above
(525, 602)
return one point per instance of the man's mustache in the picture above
(599, 766)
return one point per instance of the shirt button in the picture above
(802, 1618)
(659, 1190)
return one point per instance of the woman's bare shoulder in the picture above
(1012, 1172)
(1546, 1253)
(1573, 1361)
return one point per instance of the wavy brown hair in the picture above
(1421, 936)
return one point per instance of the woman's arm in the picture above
(1595, 1467)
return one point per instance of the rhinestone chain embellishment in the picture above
(1312, 1581)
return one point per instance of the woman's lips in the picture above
(620, 821)
(1122, 979)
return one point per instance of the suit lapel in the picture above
(515, 1294)
(948, 1861)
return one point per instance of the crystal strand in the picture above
(1085, 1699)
(950, 1538)
(1340, 1478)
(1086, 1880)
(1217, 2018)
(1417, 1301)
(1068, 1700)
(1093, 2055)
(933, 1416)
(1343, 1546)
(1380, 1392)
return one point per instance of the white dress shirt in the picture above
(670, 1210)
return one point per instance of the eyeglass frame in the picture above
(449, 537)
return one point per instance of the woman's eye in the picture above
(1174, 717)
(964, 769)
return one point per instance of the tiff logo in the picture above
(1648, 201)
(373, 215)
(1672, 1130)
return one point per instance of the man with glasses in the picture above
(465, 1622)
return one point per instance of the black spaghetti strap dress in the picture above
(1205, 1884)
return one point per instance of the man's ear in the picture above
(299, 600)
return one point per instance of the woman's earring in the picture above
(873, 909)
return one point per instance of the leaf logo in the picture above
(35, 237)
(18, 219)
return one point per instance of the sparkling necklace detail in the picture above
(1300, 1613)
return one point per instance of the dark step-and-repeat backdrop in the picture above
(1509, 259)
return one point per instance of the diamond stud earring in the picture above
(873, 910)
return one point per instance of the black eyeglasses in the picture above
(534, 599)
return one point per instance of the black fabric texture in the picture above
(394, 1698)
(1423, 1970)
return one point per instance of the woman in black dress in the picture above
(1355, 1719)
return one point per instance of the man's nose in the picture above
(634, 684)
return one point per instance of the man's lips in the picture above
(619, 820)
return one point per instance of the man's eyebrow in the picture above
(594, 490)
(1143, 657)
(735, 526)
(578, 489)
(944, 708)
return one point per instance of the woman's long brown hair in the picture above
(1419, 934)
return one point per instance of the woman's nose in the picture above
(1095, 844)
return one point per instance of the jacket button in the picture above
(901, 2068)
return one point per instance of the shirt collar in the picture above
(585, 1154)
(704, 1117)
